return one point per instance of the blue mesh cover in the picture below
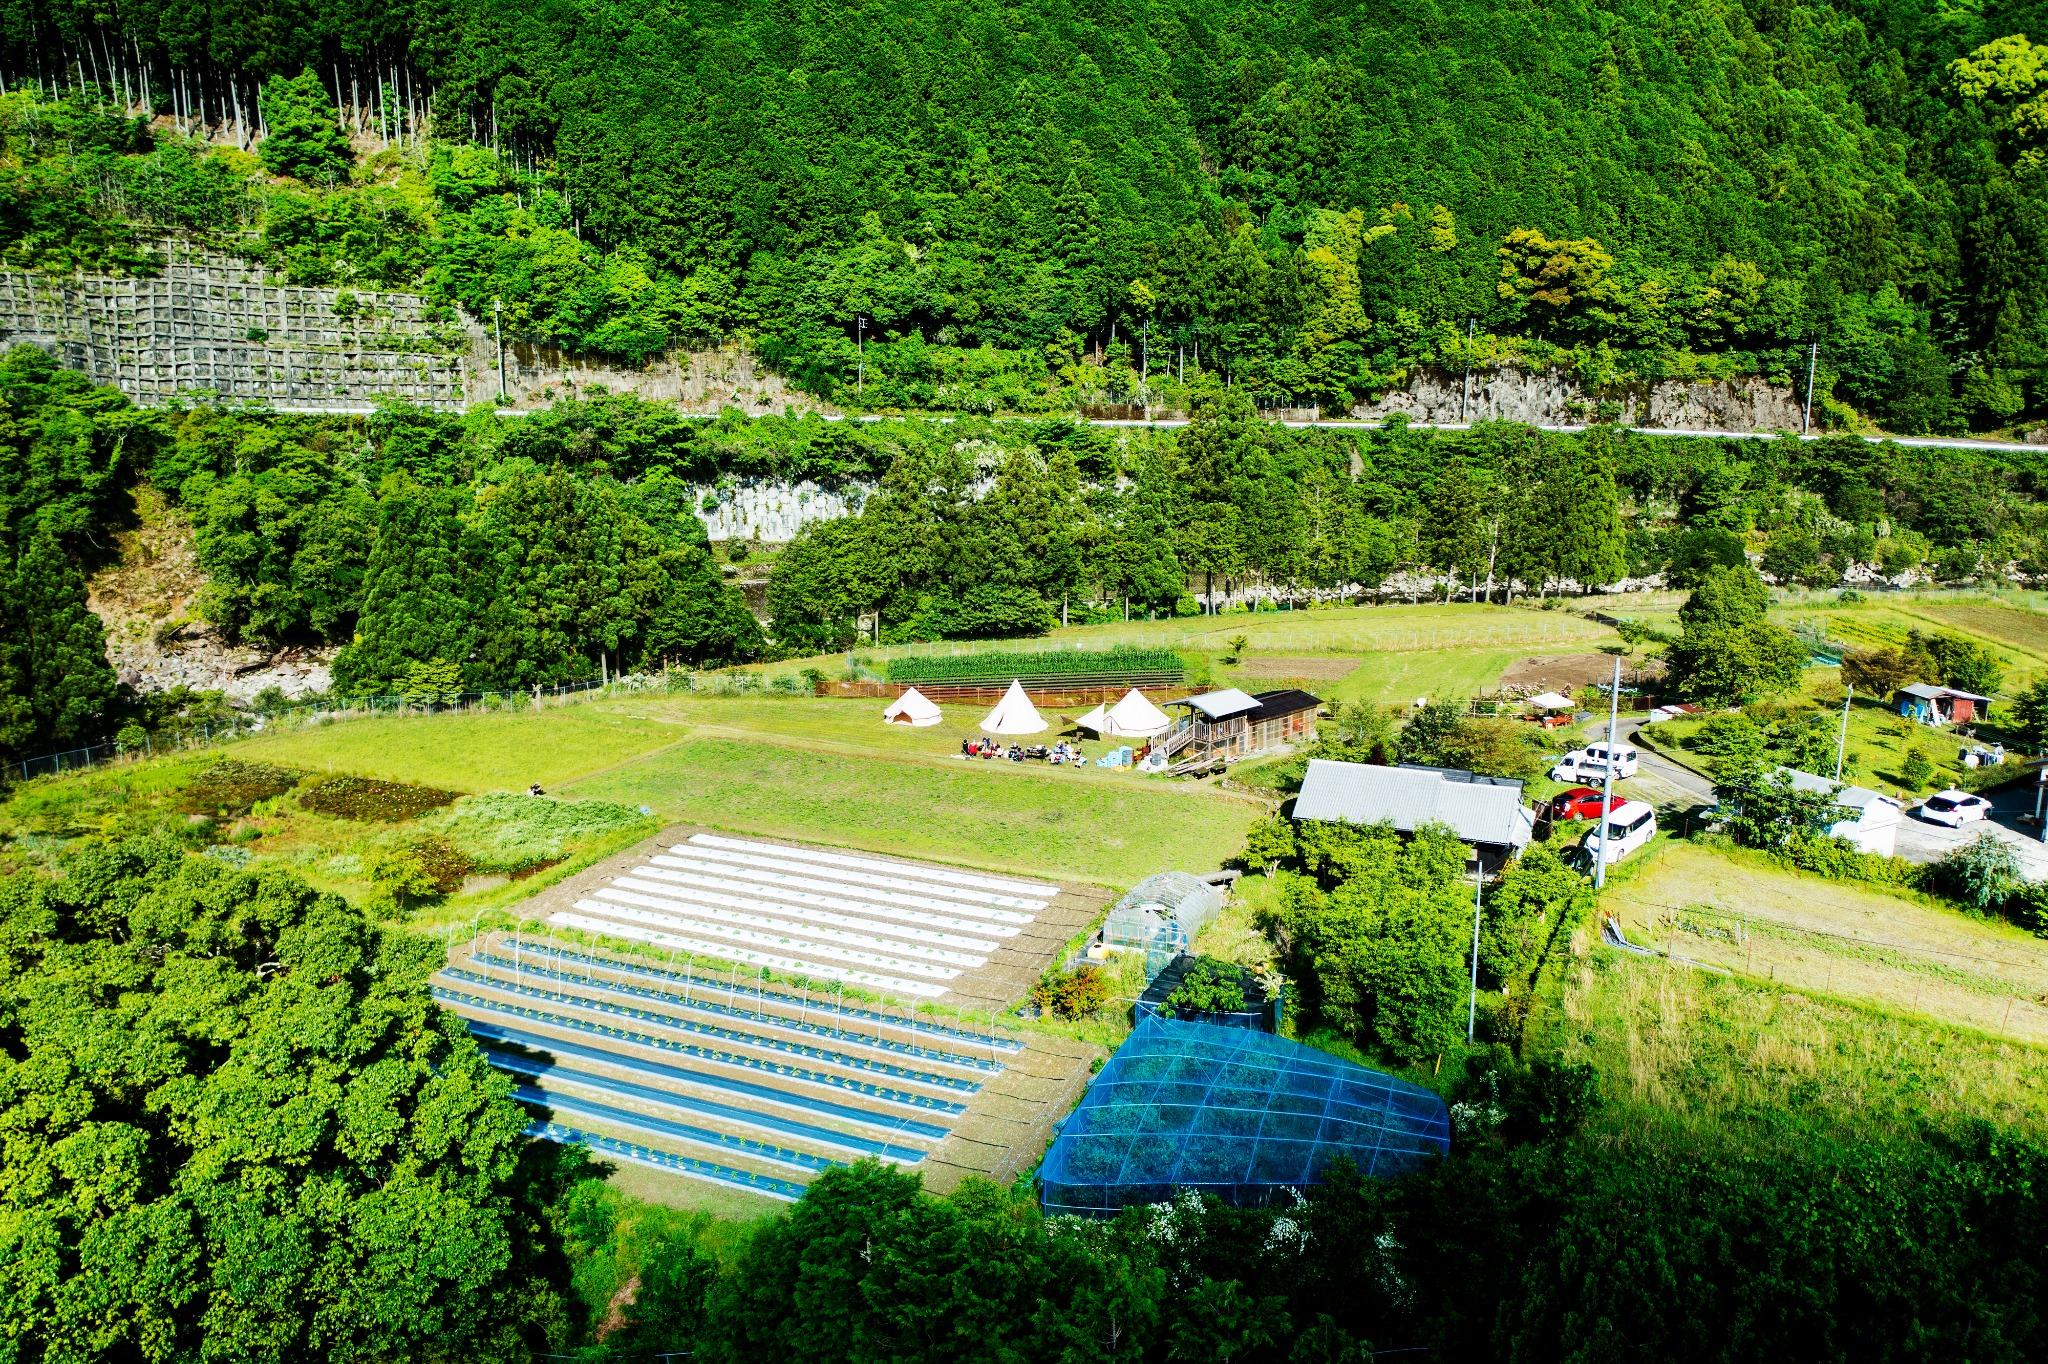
(1240, 1114)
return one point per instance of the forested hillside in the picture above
(1018, 205)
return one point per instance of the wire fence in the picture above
(241, 724)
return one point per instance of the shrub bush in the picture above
(1209, 987)
(1071, 994)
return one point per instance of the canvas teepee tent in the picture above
(1134, 717)
(1014, 714)
(911, 708)
(1095, 721)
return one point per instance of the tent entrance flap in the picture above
(1014, 714)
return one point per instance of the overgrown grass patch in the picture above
(232, 787)
(507, 833)
(372, 801)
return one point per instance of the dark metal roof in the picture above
(1273, 704)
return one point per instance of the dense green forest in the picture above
(1022, 206)
(454, 554)
(234, 1125)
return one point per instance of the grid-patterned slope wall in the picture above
(209, 324)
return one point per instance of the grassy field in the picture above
(2014, 626)
(1734, 1064)
(504, 751)
(799, 767)
(1740, 914)
(1048, 821)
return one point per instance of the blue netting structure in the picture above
(1240, 1114)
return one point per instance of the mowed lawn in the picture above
(1048, 821)
(827, 771)
(1738, 913)
(501, 751)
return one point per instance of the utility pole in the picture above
(1465, 397)
(1842, 744)
(1607, 782)
(1472, 1000)
(498, 325)
(860, 344)
(1812, 360)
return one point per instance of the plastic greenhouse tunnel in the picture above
(1240, 1114)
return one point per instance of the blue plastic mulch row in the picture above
(669, 1020)
(535, 1068)
(702, 1136)
(917, 1027)
(493, 1032)
(667, 1160)
(825, 1079)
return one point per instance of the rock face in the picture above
(697, 381)
(1553, 398)
(149, 601)
(760, 509)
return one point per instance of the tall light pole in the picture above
(1812, 360)
(1842, 744)
(1607, 782)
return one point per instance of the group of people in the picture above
(1061, 753)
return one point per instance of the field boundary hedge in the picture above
(1081, 667)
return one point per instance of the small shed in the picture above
(1485, 812)
(1935, 705)
(1869, 819)
(1160, 917)
(1283, 717)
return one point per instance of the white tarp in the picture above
(1136, 718)
(1014, 714)
(1096, 720)
(912, 708)
(1551, 700)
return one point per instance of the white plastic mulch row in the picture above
(909, 923)
(864, 898)
(851, 862)
(773, 936)
(801, 925)
(603, 921)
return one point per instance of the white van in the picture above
(1589, 764)
(1629, 826)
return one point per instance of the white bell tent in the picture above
(1014, 714)
(1134, 717)
(1095, 721)
(912, 708)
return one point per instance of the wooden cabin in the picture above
(1221, 727)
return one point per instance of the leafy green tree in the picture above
(55, 682)
(1766, 810)
(1531, 913)
(1915, 770)
(1955, 661)
(415, 603)
(1982, 873)
(302, 139)
(359, 1200)
(1726, 650)
(2029, 714)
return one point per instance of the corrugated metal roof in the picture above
(1854, 797)
(1926, 691)
(1410, 797)
(1219, 705)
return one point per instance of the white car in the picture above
(1629, 826)
(1954, 808)
(1590, 763)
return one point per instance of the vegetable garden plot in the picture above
(903, 928)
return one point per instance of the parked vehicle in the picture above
(1627, 827)
(1582, 802)
(1954, 808)
(1591, 762)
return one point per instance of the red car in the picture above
(1581, 802)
